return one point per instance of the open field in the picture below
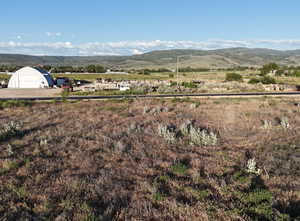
(218, 76)
(179, 159)
(91, 77)
(182, 76)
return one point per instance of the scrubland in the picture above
(176, 159)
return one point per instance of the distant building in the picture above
(31, 77)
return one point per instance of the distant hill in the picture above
(221, 58)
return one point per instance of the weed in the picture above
(9, 130)
(186, 127)
(251, 167)
(9, 150)
(158, 197)
(194, 105)
(240, 176)
(146, 110)
(167, 132)
(202, 137)
(43, 141)
(14, 103)
(267, 125)
(9, 165)
(179, 169)
(284, 123)
(257, 203)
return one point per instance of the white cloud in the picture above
(137, 47)
(53, 34)
(136, 51)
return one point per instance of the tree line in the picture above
(280, 70)
(60, 69)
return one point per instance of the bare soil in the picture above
(105, 160)
(18, 93)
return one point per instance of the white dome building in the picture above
(29, 77)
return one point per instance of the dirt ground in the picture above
(151, 159)
(6, 93)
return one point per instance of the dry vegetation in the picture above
(151, 160)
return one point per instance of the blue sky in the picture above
(93, 27)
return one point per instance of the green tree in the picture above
(99, 69)
(267, 68)
(233, 77)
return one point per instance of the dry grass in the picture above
(104, 160)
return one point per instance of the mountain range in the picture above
(221, 58)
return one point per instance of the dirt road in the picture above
(19, 93)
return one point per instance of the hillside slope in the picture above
(195, 58)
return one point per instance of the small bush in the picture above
(267, 125)
(146, 110)
(167, 132)
(189, 85)
(9, 130)
(194, 105)
(179, 169)
(202, 137)
(254, 81)
(185, 128)
(263, 80)
(233, 77)
(257, 203)
(268, 80)
(251, 167)
(198, 136)
(297, 73)
(284, 123)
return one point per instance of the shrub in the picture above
(173, 83)
(189, 85)
(179, 169)
(284, 122)
(167, 133)
(202, 137)
(267, 125)
(268, 80)
(9, 130)
(297, 73)
(194, 105)
(257, 203)
(185, 128)
(146, 110)
(254, 81)
(198, 136)
(233, 77)
(251, 167)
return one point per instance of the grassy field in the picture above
(182, 76)
(175, 159)
(91, 77)
(4, 76)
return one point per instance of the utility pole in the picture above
(177, 66)
(177, 70)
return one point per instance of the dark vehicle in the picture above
(60, 81)
(64, 83)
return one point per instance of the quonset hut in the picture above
(31, 77)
